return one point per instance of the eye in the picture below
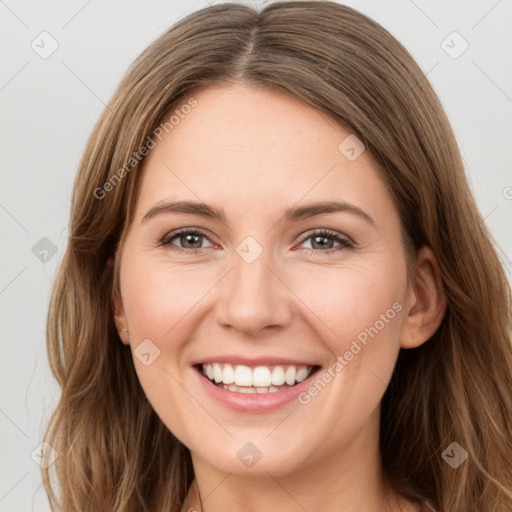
(320, 242)
(190, 240)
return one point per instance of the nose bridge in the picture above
(253, 297)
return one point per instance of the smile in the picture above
(258, 379)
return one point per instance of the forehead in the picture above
(245, 146)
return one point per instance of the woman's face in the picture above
(275, 288)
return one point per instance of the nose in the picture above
(254, 297)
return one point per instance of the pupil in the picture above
(317, 238)
(188, 237)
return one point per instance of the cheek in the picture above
(159, 305)
(353, 302)
(358, 317)
(158, 297)
(343, 303)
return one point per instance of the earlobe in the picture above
(120, 318)
(426, 306)
(117, 306)
(119, 314)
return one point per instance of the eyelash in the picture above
(345, 243)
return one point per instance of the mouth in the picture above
(255, 379)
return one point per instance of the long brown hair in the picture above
(115, 454)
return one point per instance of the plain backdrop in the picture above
(49, 104)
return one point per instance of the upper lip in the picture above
(253, 361)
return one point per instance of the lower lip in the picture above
(253, 402)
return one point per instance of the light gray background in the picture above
(49, 106)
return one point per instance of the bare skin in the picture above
(256, 153)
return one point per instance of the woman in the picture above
(278, 293)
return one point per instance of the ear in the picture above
(425, 303)
(119, 314)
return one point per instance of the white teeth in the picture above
(228, 375)
(217, 372)
(251, 389)
(302, 374)
(278, 377)
(243, 376)
(263, 379)
(246, 390)
(290, 375)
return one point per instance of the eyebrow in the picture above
(291, 214)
